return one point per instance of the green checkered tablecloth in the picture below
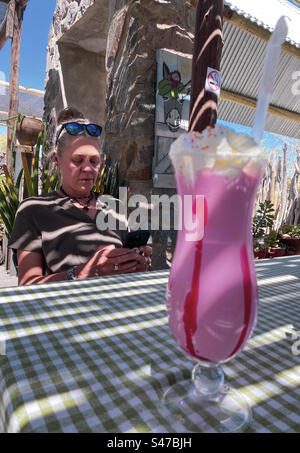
(97, 355)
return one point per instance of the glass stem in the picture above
(208, 381)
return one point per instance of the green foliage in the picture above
(292, 230)
(2, 230)
(109, 180)
(258, 247)
(273, 239)
(9, 196)
(263, 219)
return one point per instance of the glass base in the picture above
(224, 410)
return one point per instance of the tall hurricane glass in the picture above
(212, 292)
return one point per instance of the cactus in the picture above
(293, 209)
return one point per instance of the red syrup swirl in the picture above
(247, 297)
(191, 301)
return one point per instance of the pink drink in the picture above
(212, 293)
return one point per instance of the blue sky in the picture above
(35, 30)
(36, 25)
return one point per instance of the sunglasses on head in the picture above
(73, 128)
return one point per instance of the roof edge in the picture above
(237, 7)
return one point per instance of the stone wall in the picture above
(137, 30)
(119, 91)
(76, 72)
(84, 25)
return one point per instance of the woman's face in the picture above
(79, 164)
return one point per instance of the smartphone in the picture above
(136, 238)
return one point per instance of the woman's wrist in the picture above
(79, 272)
(82, 272)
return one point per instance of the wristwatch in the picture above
(71, 274)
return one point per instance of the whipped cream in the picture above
(219, 148)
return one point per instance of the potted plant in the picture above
(28, 130)
(291, 238)
(260, 252)
(273, 243)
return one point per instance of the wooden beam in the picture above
(14, 76)
(25, 90)
(254, 29)
(208, 44)
(251, 103)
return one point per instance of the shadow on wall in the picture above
(53, 103)
(82, 84)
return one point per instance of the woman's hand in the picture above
(146, 252)
(109, 260)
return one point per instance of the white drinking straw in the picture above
(268, 76)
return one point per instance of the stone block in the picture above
(141, 124)
(59, 15)
(173, 37)
(116, 124)
(114, 36)
(84, 5)
(115, 6)
(145, 102)
(141, 166)
(70, 17)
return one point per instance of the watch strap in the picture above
(71, 274)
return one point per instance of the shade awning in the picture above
(242, 63)
(241, 67)
(265, 13)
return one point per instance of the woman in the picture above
(56, 235)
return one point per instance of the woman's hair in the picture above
(69, 114)
(65, 116)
